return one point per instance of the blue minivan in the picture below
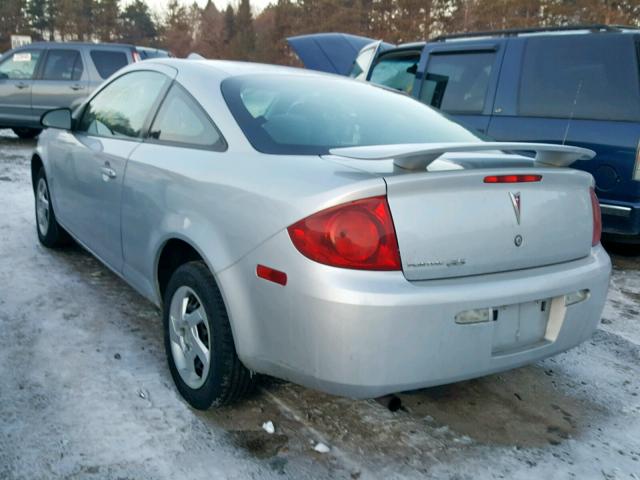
(575, 85)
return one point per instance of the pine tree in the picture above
(107, 12)
(178, 30)
(137, 25)
(210, 38)
(245, 39)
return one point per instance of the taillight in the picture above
(512, 178)
(136, 56)
(597, 218)
(357, 235)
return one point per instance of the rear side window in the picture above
(108, 62)
(181, 120)
(458, 82)
(19, 66)
(580, 76)
(121, 109)
(63, 65)
(396, 71)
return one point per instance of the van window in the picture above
(19, 66)
(580, 76)
(457, 82)
(108, 62)
(63, 65)
(396, 71)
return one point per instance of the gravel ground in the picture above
(85, 392)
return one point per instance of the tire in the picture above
(26, 133)
(194, 327)
(50, 233)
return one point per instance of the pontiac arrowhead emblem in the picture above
(515, 201)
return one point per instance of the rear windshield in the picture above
(307, 115)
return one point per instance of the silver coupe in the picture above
(321, 230)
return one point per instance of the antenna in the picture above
(573, 109)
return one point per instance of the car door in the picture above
(16, 78)
(62, 81)
(181, 130)
(89, 175)
(461, 80)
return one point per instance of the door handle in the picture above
(21, 85)
(108, 173)
(76, 87)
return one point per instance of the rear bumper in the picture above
(366, 334)
(620, 218)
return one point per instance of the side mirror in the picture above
(58, 118)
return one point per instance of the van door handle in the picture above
(76, 87)
(108, 173)
(21, 85)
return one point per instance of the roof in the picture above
(232, 68)
(565, 29)
(87, 44)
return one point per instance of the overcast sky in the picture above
(161, 5)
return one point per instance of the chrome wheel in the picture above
(43, 208)
(189, 337)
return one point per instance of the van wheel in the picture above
(198, 340)
(50, 233)
(26, 133)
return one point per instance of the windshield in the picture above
(309, 115)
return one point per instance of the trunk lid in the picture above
(452, 224)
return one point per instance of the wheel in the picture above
(26, 133)
(50, 233)
(198, 340)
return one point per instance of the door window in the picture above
(181, 120)
(396, 71)
(63, 65)
(458, 82)
(121, 109)
(20, 66)
(580, 76)
(108, 62)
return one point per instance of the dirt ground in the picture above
(85, 392)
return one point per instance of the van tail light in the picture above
(636, 168)
(358, 235)
(597, 218)
(136, 56)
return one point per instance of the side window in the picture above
(121, 109)
(457, 83)
(108, 62)
(63, 65)
(580, 76)
(396, 71)
(181, 120)
(20, 66)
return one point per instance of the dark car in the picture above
(41, 76)
(576, 85)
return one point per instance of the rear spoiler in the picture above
(418, 156)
